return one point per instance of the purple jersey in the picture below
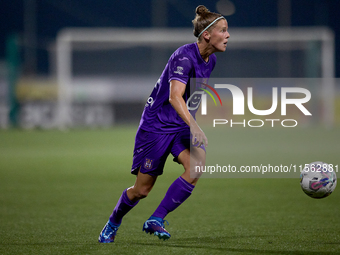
(186, 62)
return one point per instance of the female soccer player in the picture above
(166, 124)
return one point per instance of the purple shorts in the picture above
(152, 149)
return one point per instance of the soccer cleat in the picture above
(155, 225)
(108, 233)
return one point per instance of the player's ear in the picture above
(206, 35)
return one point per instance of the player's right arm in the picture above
(177, 89)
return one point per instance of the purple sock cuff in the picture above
(188, 185)
(177, 193)
(123, 206)
(126, 199)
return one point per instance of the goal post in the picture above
(71, 40)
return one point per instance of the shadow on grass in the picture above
(215, 243)
(203, 245)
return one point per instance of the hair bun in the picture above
(201, 9)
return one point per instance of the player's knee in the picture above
(142, 193)
(195, 169)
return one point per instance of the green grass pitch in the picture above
(57, 190)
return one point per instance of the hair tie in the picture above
(210, 25)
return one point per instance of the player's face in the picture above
(219, 36)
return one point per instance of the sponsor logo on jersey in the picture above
(149, 102)
(179, 70)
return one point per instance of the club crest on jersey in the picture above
(148, 163)
(179, 70)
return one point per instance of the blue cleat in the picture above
(108, 233)
(155, 225)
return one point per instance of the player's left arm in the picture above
(177, 90)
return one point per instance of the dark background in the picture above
(53, 15)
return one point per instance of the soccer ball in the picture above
(318, 179)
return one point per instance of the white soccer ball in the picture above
(318, 179)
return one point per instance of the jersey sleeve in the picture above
(180, 68)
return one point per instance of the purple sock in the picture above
(123, 206)
(177, 193)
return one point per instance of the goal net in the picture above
(112, 71)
